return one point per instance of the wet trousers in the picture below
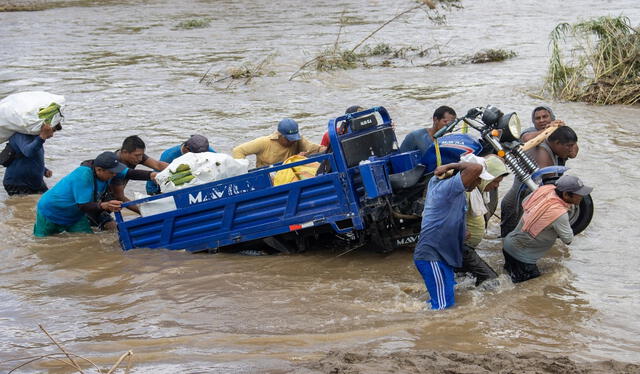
(518, 270)
(440, 280)
(474, 264)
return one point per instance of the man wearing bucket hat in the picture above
(66, 205)
(476, 222)
(545, 219)
(440, 245)
(277, 147)
(26, 170)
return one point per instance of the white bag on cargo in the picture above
(19, 112)
(149, 208)
(205, 167)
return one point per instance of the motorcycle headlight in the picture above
(510, 126)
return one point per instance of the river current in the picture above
(127, 67)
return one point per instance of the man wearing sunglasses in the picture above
(25, 174)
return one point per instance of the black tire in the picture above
(580, 216)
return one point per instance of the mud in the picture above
(463, 363)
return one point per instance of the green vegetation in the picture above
(194, 23)
(337, 59)
(602, 65)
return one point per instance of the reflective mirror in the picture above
(491, 115)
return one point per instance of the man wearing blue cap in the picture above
(278, 146)
(66, 205)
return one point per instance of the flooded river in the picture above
(126, 68)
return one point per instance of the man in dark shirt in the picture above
(422, 139)
(25, 175)
(131, 155)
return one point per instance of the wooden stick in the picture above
(532, 143)
(124, 355)
(62, 349)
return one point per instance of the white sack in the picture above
(166, 204)
(19, 112)
(206, 167)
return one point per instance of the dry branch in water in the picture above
(59, 357)
(336, 58)
(246, 71)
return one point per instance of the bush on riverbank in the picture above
(603, 66)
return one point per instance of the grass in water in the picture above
(491, 55)
(600, 63)
(194, 23)
(336, 57)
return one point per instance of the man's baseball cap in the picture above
(471, 158)
(109, 162)
(289, 129)
(197, 144)
(570, 183)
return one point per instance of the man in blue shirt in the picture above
(422, 139)
(440, 245)
(195, 144)
(25, 175)
(66, 205)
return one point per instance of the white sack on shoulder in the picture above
(19, 112)
(206, 167)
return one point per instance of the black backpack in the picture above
(7, 155)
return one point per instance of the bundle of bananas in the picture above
(48, 112)
(181, 176)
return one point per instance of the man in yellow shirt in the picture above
(278, 146)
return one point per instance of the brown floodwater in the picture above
(126, 68)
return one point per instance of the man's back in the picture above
(28, 167)
(416, 140)
(442, 231)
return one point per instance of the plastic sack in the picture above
(157, 206)
(19, 112)
(295, 173)
(205, 167)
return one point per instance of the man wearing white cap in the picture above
(545, 219)
(476, 223)
(439, 249)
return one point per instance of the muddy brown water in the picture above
(126, 68)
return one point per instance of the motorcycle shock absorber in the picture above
(529, 165)
(519, 170)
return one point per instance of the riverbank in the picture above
(455, 362)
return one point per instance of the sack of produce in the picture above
(192, 169)
(25, 112)
(295, 173)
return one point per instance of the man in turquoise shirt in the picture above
(65, 206)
